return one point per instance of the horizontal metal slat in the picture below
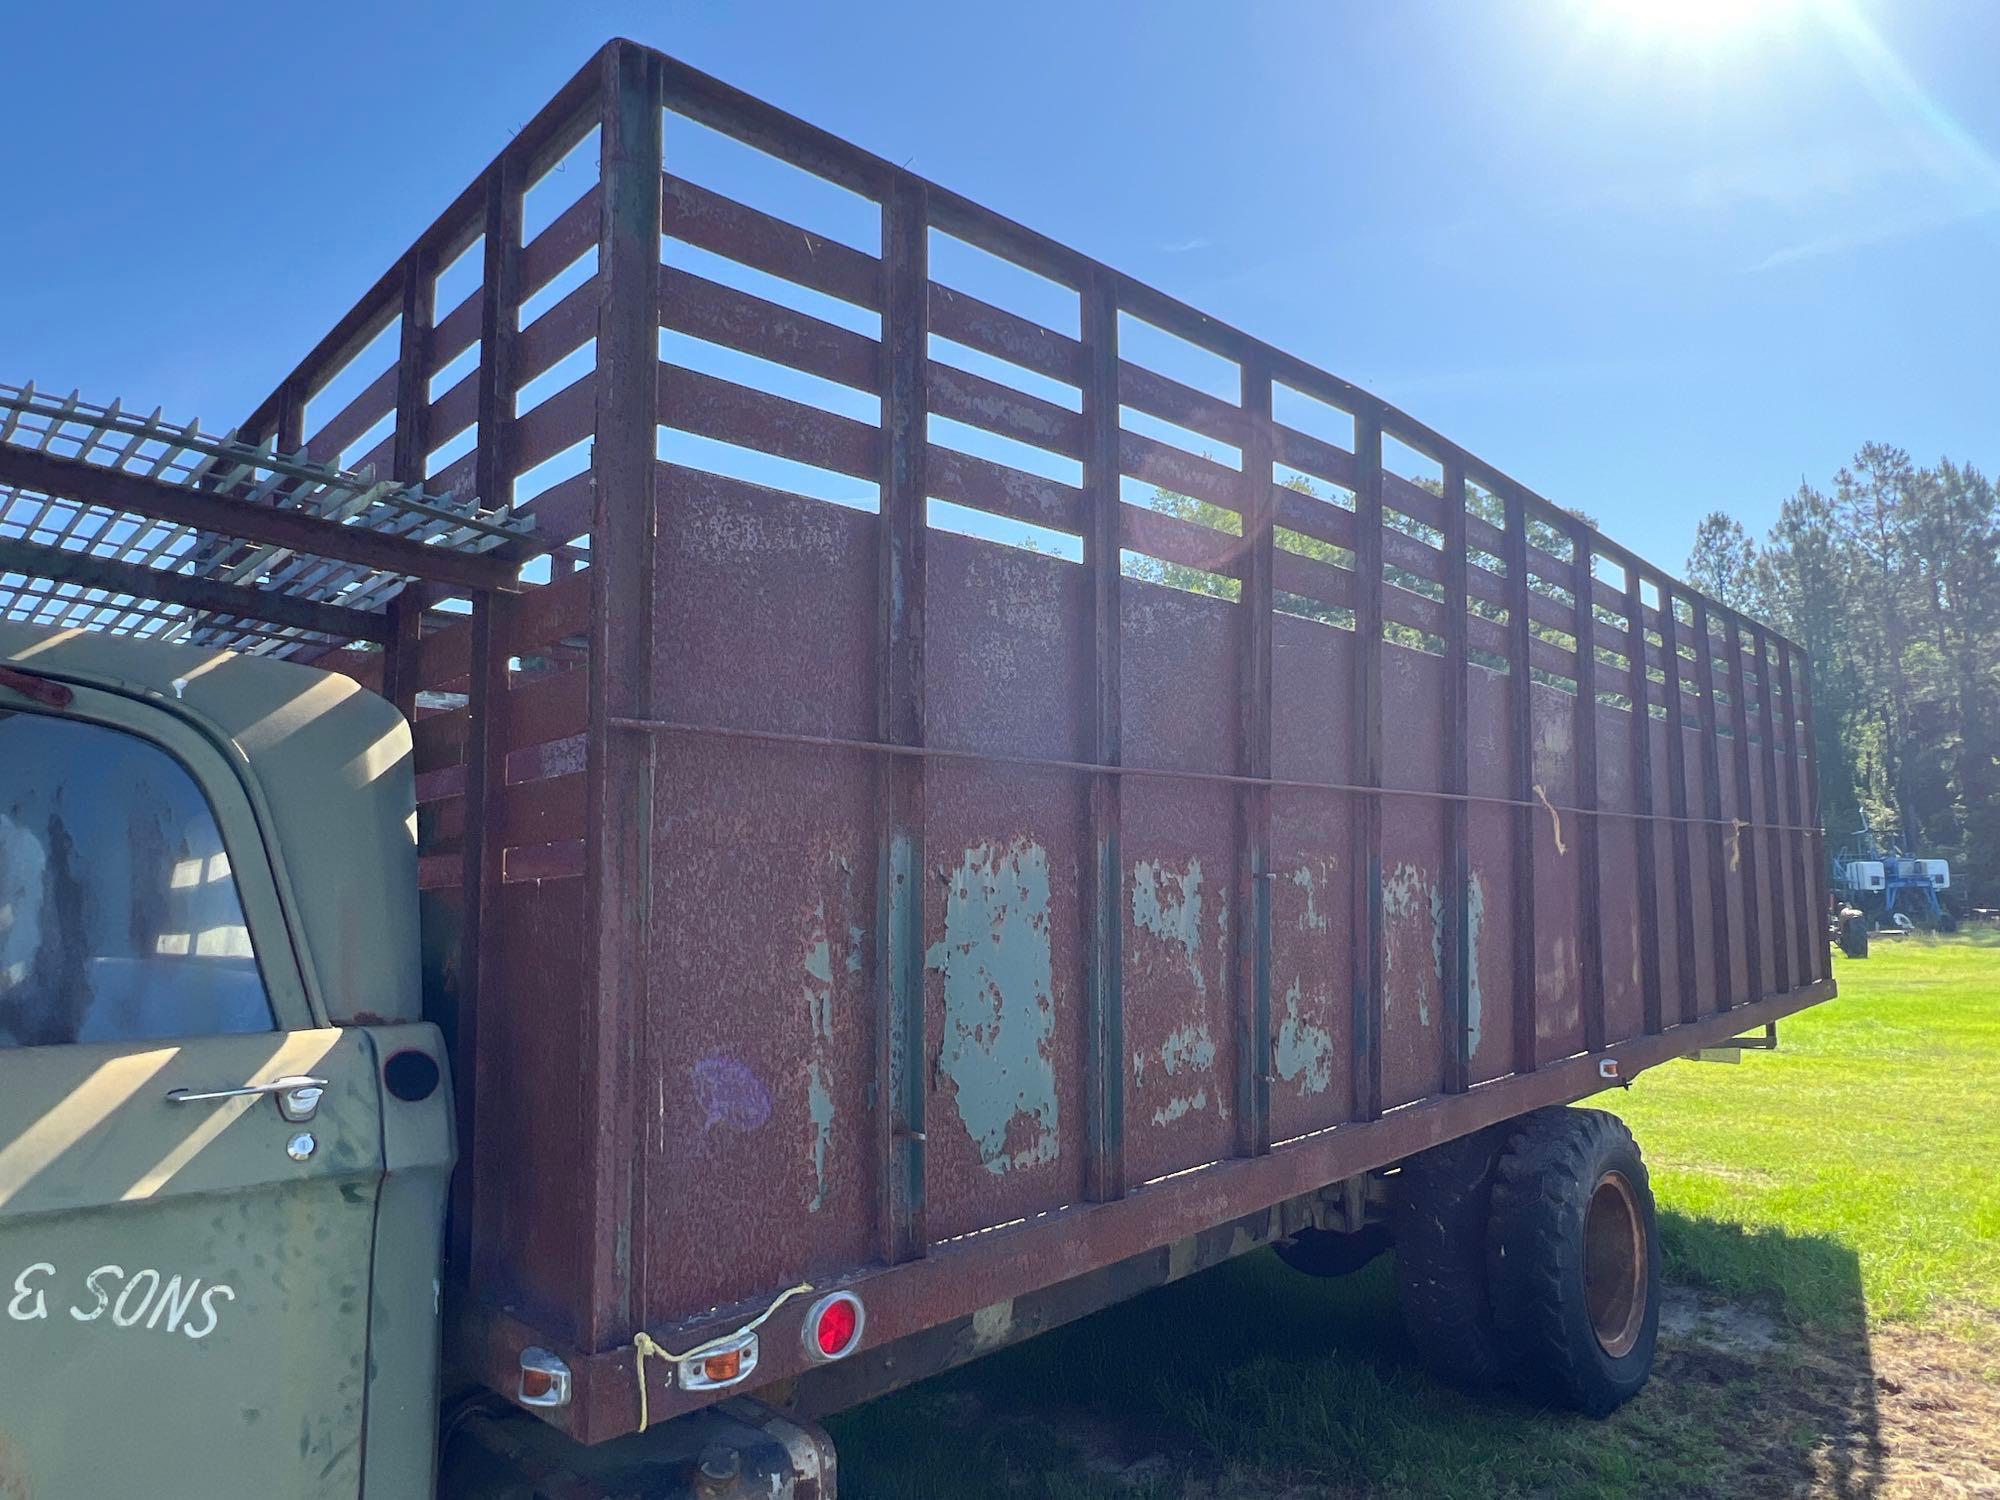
(964, 319)
(984, 485)
(720, 314)
(568, 235)
(1173, 540)
(979, 402)
(733, 413)
(738, 232)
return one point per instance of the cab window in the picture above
(119, 915)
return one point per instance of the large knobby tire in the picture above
(1439, 1210)
(1947, 922)
(1328, 1252)
(1854, 934)
(1573, 1259)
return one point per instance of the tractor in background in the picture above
(1877, 885)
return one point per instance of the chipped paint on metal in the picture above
(992, 1325)
(1408, 893)
(1475, 922)
(1187, 1049)
(1304, 1052)
(1312, 919)
(1167, 903)
(819, 1078)
(1179, 1105)
(999, 1004)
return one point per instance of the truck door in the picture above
(189, 1165)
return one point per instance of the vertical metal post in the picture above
(1645, 851)
(1743, 840)
(1521, 746)
(1366, 910)
(1794, 843)
(1253, 619)
(290, 435)
(1104, 1038)
(1773, 841)
(1816, 864)
(1677, 803)
(1589, 895)
(620, 769)
(485, 745)
(899, 925)
(412, 449)
(1711, 772)
(1456, 980)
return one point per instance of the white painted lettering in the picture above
(208, 1311)
(151, 1280)
(173, 1303)
(30, 1302)
(103, 1298)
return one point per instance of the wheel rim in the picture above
(1614, 1264)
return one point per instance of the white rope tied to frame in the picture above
(643, 1344)
(1736, 827)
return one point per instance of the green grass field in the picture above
(1831, 1221)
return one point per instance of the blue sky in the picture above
(1649, 266)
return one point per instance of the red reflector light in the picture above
(833, 1327)
(836, 1328)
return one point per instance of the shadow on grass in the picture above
(1251, 1380)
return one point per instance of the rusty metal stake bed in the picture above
(857, 939)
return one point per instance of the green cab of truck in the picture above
(225, 1133)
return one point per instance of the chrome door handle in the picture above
(298, 1095)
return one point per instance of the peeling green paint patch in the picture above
(1188, 1049)
(1312, 919)
(999, 1007)
(1304, 1051)
(1167, 903)
(819, 1079)
(1181, 1104)
(1406, 893)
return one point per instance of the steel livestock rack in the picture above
(719, 710)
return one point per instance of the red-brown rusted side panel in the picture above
(857, 900)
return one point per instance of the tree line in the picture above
(1888, 578)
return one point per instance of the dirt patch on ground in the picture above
(1899, 1412)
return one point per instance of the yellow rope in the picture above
(643, 1345)
(1554, 817)
(1736, 827)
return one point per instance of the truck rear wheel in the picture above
(1854, 934)
(1573, 1259)
(1439, 1210)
